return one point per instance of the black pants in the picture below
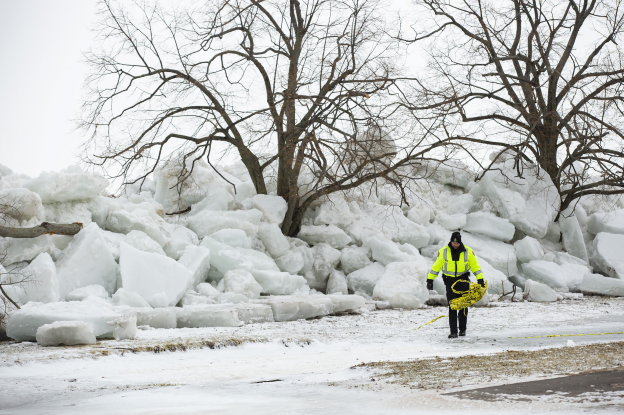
(463, 285)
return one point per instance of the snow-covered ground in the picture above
(309, 362)
(204, 270)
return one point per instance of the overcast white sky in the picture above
(41, 79)
(41, 76)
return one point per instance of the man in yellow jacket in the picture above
(456, 261)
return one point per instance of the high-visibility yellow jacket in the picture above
(467, 262)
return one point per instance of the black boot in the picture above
(452, 336)
(462, 333)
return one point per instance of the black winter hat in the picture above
(456, 237)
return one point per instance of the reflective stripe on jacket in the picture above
(467, 262)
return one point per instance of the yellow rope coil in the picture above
(474, 293)
(469, 297)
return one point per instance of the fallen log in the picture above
(43, 229)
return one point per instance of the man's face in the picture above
(455, 245)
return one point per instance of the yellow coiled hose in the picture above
(469, 297)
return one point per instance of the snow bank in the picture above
(68, 333)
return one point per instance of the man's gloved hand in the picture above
(430, 284)
(481, 282)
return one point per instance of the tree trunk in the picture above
(43, 229)
(547, 136)
(253, 167)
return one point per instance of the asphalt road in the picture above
(598, 382)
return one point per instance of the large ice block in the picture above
(87, 260)
(364, 280)
(489, 225)
(23, 324)
(290, 308)
(68, 333)
(403, 277)
(599, 284)
(160, 280)
(608, 254)
(539, 292)
(210, 315)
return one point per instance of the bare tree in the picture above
(543, 79)
(306, 86)
(11, 282)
